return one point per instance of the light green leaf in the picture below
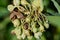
(56, 5)
(52, 12)
(55, 21)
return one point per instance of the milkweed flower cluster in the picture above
(28, 19)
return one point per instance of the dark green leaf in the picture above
(3, 11)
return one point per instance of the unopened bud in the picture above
(27, 32)
(16, 23)
(46, 25)
(19, 37)
(30, 37)
(41, 28)
(11, 8)
(28, 19)
(34, 29)
(16, 2)
(38, 35)
(22, 9)
(27, 12)
(23, 35)
(24, 2)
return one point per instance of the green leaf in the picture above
(3, 3)
(3, 11)
(55, 21)
(52, 12)
(56, 5)
(46, 2)
(43, 37)
(4, 23)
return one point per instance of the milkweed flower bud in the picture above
(30, 37)
(24, 2)
(41, 28)
(28, 19)
(10, 7)
(22, 9)
(16, 23)
(27, 12)
(37, 4)
(46, 25)
(18, 37)
(18, 31)
(16, 2)
(23, 35)
(34, 29)
(38, 35)
(27, 32)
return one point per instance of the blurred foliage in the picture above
(51, 8)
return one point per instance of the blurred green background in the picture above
(51, 10)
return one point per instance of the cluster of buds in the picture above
(27, 19)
